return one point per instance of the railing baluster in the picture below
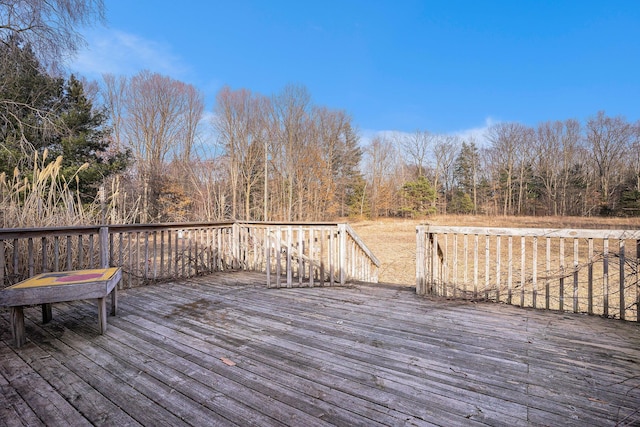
(4, 264)
(278, 250)
(130, 247)
(455, 264)
(590, 278)
(45, 255)
(162, 249)
(56, 253)
(547, 282)
(605, 277)
(30, 256)
(301, 266)
(90, 250)
(120, 250)
(510, 271)
(498, 267)
(289, 240)
(523, 270)
(466, 264)
(576, 266)
(622, 280)
(534, 272)
(332, 257)
(69, 262)
(487, 263)
(312, 259)
(16, 259)
(80, 252)
(638, 280)
(155, 255)
(475, 265)
(267, 254)
(562, 272)
(322, 255)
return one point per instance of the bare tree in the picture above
(417, 147)
(555, 150)
(524, 159)
(291, 118)
(380, 165)
(635, 155)
(161, 115)
(239, 120)
(445, 151)
(113, 93)
(608, 138)
(507, 141)
(49, 27)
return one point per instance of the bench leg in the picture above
(17, 326)
(46, 313)
(102, 315)
(114, 300)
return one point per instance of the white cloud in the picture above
(207, 136)
(121, 53)
(478, 133)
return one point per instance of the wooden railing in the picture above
(591, 271)
(309, 253)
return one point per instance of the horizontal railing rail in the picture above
(591, 271)
(319, 253)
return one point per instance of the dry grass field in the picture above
(393, 241)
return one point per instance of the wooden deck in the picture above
(224, 350)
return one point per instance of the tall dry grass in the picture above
(41, 198)
(45, 198)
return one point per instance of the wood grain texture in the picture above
(225, 350)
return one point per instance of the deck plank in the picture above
(350, 356)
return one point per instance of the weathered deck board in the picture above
(362, 355)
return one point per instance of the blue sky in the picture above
(444, 66)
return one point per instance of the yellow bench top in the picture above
(66, 278)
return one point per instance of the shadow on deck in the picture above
(224, 350)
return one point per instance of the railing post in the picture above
(104, 247)
(621, 256)
(289, 252)
(235, 243)
(637, 280)
(342, 253)
(420, 259)
(267, 254)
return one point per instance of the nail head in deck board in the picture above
(394, 356)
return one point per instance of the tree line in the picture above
(138, 145)
(565, 168)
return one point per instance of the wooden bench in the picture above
(47, 288)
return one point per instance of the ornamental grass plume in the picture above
(44, 198)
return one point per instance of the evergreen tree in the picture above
(418, 197)
(83, 137)
(347, 174)
(29, 97)
(466, 171)
(461, 203)
(41, 112)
